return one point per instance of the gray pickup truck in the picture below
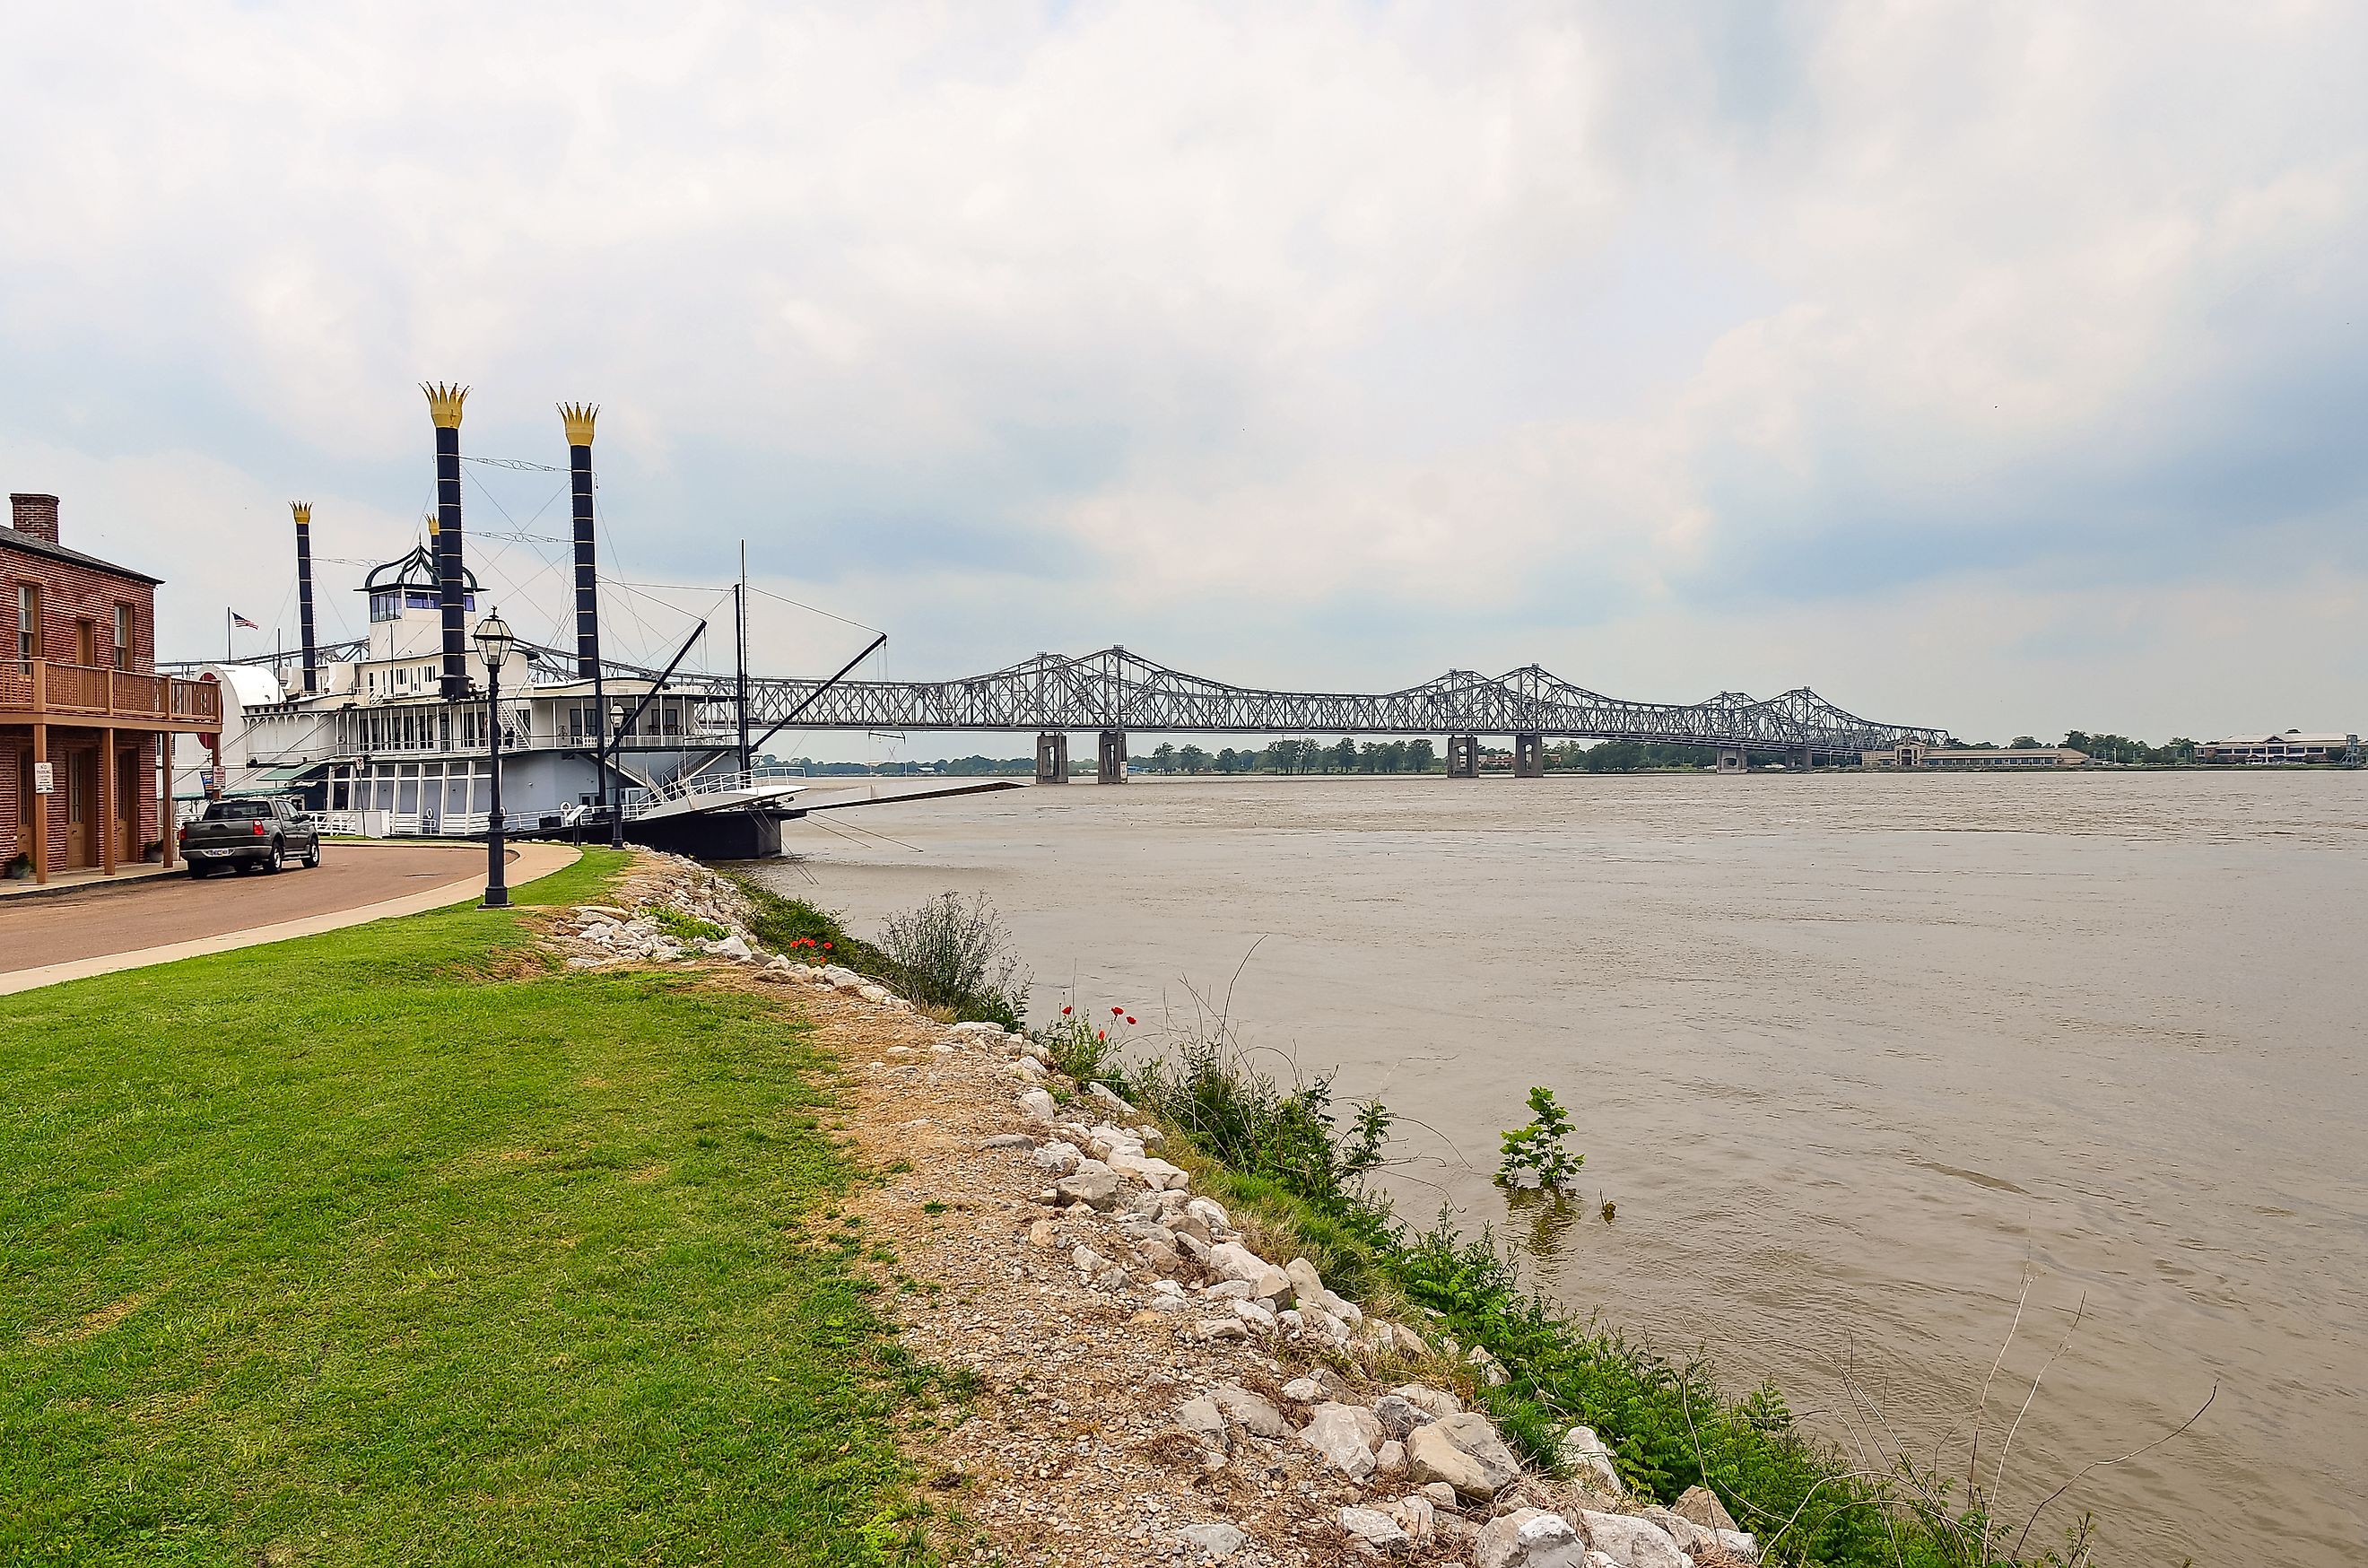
(266, 831)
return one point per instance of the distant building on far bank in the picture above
(1915, 755)
(2287, 746)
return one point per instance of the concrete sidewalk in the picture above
(527, 862)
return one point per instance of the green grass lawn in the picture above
(340, 1252)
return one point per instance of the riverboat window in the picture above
(407, 789)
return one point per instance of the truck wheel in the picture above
(312, 856)
(272, 861)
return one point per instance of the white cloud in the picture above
(1526, 327)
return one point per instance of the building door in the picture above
(85, 641)
(81, 769)
(127, 807)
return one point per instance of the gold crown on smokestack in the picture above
(304, 510)
(444, 403)
(431, 525)
(578, 417)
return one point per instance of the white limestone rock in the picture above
(1416, 1514)
(1701, 1505)
(1211, 1213)
(1059, 1157)
(1037, 1104)
(1632, 1542)
(1250, 1413)
(1528, 1538)
(1435, 1401)
(1587, 1456)
(1466, 1452)
(1376, 1529)
(1235, 1261)
(1214, 1544)
(1345, 1434)
(1201, 1417)
(1399, 1415)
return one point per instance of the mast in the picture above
(740, 652)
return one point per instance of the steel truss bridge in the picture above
(1115, 690)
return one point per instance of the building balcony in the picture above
(43, 691)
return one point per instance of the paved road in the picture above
(95, 921)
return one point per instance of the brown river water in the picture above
(1855, 1055)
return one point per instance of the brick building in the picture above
(81, 709)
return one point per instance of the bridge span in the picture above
(1114, 691)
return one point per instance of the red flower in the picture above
(1065, 1011)
(826, 947)
(1118, 1012)
(1130, 1018)
(1098, 1035)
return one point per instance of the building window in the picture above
(122, 637)
(28, 623)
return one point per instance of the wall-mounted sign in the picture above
(45, 778)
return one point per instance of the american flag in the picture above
(238, 619)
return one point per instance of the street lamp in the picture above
(494, 641)
(616, 740)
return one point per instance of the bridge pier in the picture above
(1463, 756)
(1112, 769)
(1806, 759)
(1051, 758)
(1731, 759)
(1529, 757)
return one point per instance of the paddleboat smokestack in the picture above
(444, 407)
(303, 511)
(578, 417)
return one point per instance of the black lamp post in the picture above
(494, 641)
(616, 740)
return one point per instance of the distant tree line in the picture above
(1297, 756)
(2122, 748)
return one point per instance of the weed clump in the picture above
(1538, 1156)
(951, 950)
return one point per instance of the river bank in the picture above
(1159, 1376)
(1851, 1052)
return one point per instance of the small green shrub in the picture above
(685, 928)
(953, 950)
(1536, 1155)
(1083, 1051)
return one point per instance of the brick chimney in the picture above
(35, 515)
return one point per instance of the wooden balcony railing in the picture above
(74, 692)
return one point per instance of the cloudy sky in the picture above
(1994, 366)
